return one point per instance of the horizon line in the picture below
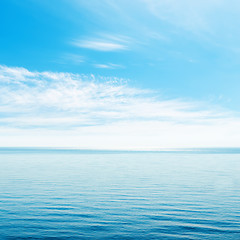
(216, 150)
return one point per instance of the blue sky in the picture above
(86, 69)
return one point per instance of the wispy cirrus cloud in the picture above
(99, 45)
(73, 58)
(105, 43)
(213, 20)
(108, 66)
(104, 98)
(64, 109)
(70, 58)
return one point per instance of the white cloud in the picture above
(215, 22)
(64, 109)
(99, 45)
(105, 43)
(108, 66)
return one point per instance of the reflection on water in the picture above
(80, 195)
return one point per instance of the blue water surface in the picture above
(73, 194)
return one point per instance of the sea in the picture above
(113, 195)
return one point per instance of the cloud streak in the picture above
(108, 66)
(86, 110)
(105, 45)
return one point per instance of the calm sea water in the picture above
(67, 194)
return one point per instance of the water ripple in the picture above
(119, 196)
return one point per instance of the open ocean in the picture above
(76, 194)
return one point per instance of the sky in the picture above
(140, 74)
